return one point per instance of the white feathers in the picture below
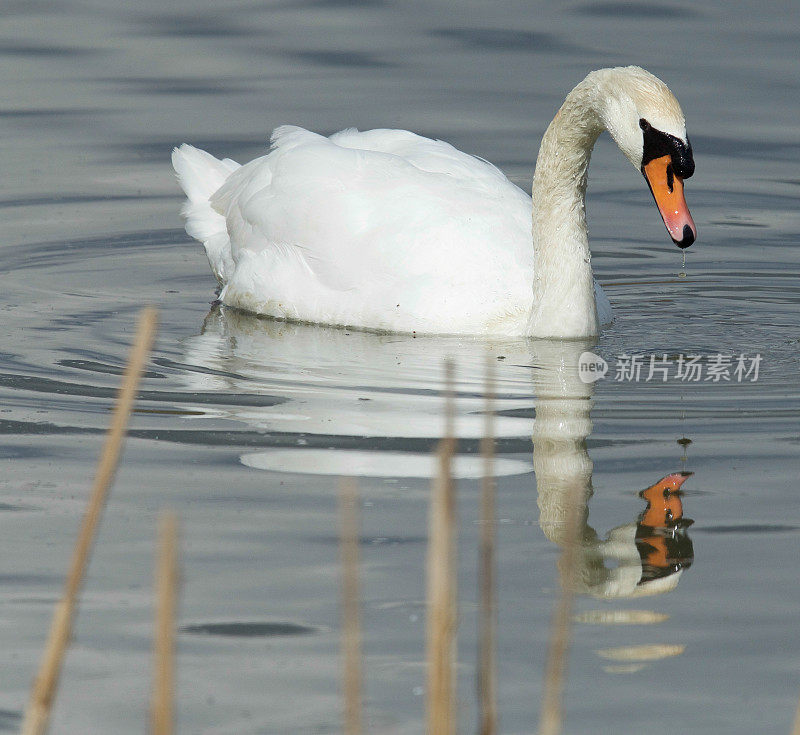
(382, 230)
(200, 175)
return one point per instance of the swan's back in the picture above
(433, 156)
(381, 229)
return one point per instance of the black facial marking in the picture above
(657, 144)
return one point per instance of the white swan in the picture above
(387, 230)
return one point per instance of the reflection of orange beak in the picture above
(664, 506)
(670, 483)
(667, 189)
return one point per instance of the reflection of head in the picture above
(663, 554)
(661, 540)
(648, 557)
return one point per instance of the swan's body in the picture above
(388, 230)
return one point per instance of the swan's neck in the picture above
(563, 287)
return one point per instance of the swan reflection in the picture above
(345, 390)
(369, 405)
(643, 557)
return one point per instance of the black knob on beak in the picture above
(688, 237)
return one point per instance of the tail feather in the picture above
(200, 175)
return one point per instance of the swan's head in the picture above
(647, 123)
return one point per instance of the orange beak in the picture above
(667, 189)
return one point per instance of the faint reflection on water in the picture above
(358, 463)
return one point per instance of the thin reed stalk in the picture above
(441, 581)
(551, 718)
(796, 727)
(37, 714)
(487, 668)
(162, 709)
(351, 627)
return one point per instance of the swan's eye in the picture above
(643, 124)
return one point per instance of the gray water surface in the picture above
(244, 425)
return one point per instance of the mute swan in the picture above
(390, 231)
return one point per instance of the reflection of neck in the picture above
(560, 458)
(561, 462)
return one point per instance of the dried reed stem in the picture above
(37, 714)
(796, 727)
(487, 676)
(162, 715)
(441, 572)
(351, 629)
(551, 718)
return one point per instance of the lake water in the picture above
(244, 425)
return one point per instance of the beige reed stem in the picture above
(37, 714)
(351, 627)
(162, 716)
(796, 727)
(441, 572)
(487, 669)
(551, 718)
